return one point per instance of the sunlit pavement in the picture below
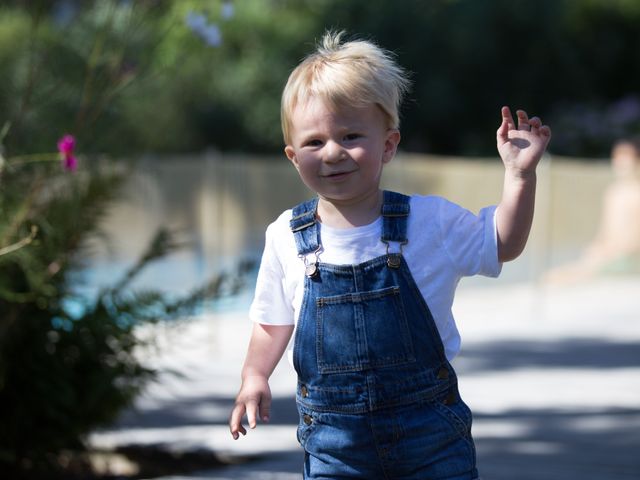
(551, 373)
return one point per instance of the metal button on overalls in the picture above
(307, 419)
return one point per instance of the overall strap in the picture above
(305, 227)
(395, 213)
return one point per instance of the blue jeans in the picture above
(425, 440)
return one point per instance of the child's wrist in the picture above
(249, 375)
(521, 175)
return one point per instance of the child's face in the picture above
(339, 153)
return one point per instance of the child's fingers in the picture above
(507, 123)
(252, 413)
(535, 122)
(538, 128)
(506, 117)
(265, 408)
(545, 130)
(235, 422)
(235, 433)
(523, 120)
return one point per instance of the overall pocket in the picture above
(456, 412)
(362, 330)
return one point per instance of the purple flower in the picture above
(196, 21)
(66, 146)
(211, 35)
(227, 10)
(209, 32)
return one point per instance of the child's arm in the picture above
(520, 149)
(267, 344)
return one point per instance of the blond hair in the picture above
(355, 73)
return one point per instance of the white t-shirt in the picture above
(446, 243)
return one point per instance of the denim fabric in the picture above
(376, 395)
(304, 219)
(395, 211)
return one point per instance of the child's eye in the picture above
(313, 143)
(352, 136)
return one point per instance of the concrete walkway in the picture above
(552, 375)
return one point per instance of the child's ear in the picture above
(391, 144)
(290, 152)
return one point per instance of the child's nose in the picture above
(334, 152)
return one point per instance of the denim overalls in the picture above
(376, 395)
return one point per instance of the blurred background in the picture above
(128, 252)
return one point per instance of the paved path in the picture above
(552, 375)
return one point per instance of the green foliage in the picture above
(135, 76)
(67, 74)
(68, 363)
(226, 96)
(57, 373)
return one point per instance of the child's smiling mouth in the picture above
(337, 175)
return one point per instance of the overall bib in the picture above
(376, 395)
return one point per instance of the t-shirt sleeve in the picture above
(470, 240)
(270, 305)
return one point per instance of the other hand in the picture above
(254, 400)
(521, 148)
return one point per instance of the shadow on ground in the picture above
(578, 353)
(532, 444)
(542, 443)
(552, 445)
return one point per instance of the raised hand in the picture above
(521, 148)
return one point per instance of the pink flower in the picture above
(65, 146)
(70, 163)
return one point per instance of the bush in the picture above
(67, 362)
